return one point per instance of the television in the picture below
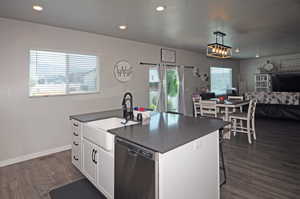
(286, 82)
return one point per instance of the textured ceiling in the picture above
(267, 27)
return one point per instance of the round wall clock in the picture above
(268, 66)
(123, 71)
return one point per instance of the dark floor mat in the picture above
(77, 190)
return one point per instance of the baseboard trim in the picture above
(34, 155)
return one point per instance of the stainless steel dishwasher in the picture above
(136, 171)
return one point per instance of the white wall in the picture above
(250, 66)
(30, 125)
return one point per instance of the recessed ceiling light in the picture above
(237, 50)
(37, 7)
(257, 56)
(160, 8)
(123, 27)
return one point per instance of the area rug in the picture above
(81, 189)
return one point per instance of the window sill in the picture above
(64, 95)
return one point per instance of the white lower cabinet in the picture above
(105, 175)
(98, 167)
(90, 160)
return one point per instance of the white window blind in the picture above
(221, 80)
(57, 73)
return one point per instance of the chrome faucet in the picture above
(127, 106)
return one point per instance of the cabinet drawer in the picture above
(76, 139)
(76, 155)
(76, 124)
(76, 128)
(76, 143)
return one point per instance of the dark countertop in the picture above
(162, 132)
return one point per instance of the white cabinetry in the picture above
(98, 167)
(105, 174)
(191, 171)
(263, 82)
(76, 143)
(90, 160)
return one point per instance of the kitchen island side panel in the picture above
(191, 171)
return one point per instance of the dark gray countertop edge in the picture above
(89, 117)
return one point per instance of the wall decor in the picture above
(203, 76)
(268, 66)
(168, 55)
(123, 71)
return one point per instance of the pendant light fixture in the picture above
(218, 49)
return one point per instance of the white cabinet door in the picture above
(105, 173)
(89, 166)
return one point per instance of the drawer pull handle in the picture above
(75, 124)
(75, 158)
(76, 144)
(75, 134)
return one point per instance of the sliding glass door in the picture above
(164, 88)
(172, 89)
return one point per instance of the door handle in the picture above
(95, 157)
(75, 158)
(132, 153)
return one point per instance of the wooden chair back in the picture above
(197, 105)
(251, 109)
(208, 108)
(236, 98)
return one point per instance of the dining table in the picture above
(230, 104)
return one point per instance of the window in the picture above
(220, 80)
(154, 86)
(56, 73)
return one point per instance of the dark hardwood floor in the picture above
(269, 168)
(34, 179)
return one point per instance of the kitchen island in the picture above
(167, 156)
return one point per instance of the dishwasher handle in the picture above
(132, 152)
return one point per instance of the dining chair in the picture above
(196, 105)
(208, 108)
(244, 122)
(236, 98)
